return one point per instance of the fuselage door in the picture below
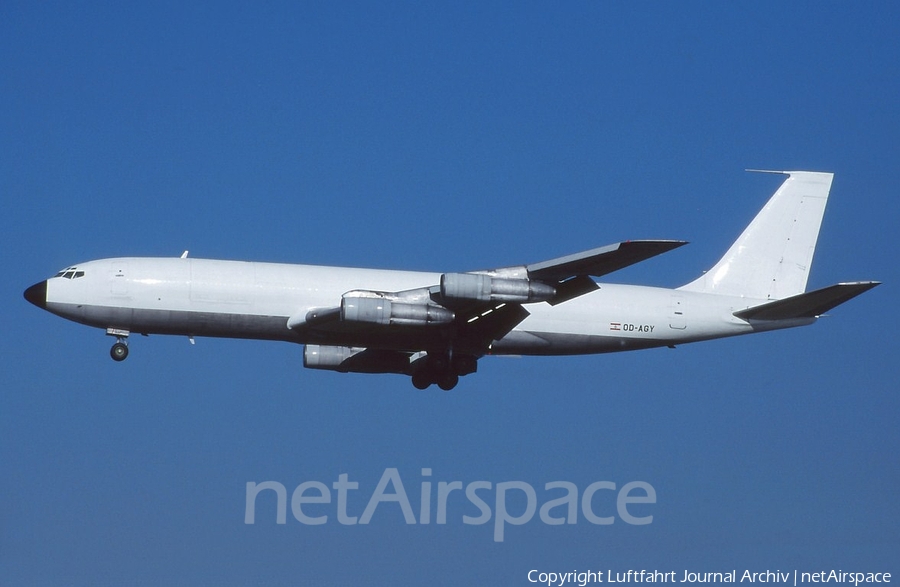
(118, 280)
(677, 320)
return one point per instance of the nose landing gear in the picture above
(119, 350)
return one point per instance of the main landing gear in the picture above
(443, 370)
(119, 350)
(445, 381)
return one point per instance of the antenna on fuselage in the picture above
(184, 255)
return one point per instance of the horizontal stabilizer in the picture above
(600, 261)
(807, 305)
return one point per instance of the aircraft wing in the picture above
(571, 275)
(602, 260)
(471, 310)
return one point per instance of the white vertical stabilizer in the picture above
(772, 257)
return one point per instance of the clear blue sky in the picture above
(442, 138)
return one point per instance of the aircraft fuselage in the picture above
(237, 299)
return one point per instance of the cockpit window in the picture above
(70, 273)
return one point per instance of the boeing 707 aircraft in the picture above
(434, 327)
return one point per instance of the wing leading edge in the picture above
(602, 260)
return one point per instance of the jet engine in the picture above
(379, 310)
(354, 360)
(482, 288)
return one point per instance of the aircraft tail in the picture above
(772, 257)
(807, 305)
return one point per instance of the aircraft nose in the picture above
(37, 294)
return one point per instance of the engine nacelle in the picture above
(354, 360)
(327, 357)
(379, 310)
(484, 288)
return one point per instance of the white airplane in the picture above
(434, 327)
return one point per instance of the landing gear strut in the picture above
(119, 350)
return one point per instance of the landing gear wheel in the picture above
(119, 351)
(448, 381)
(421, 381)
